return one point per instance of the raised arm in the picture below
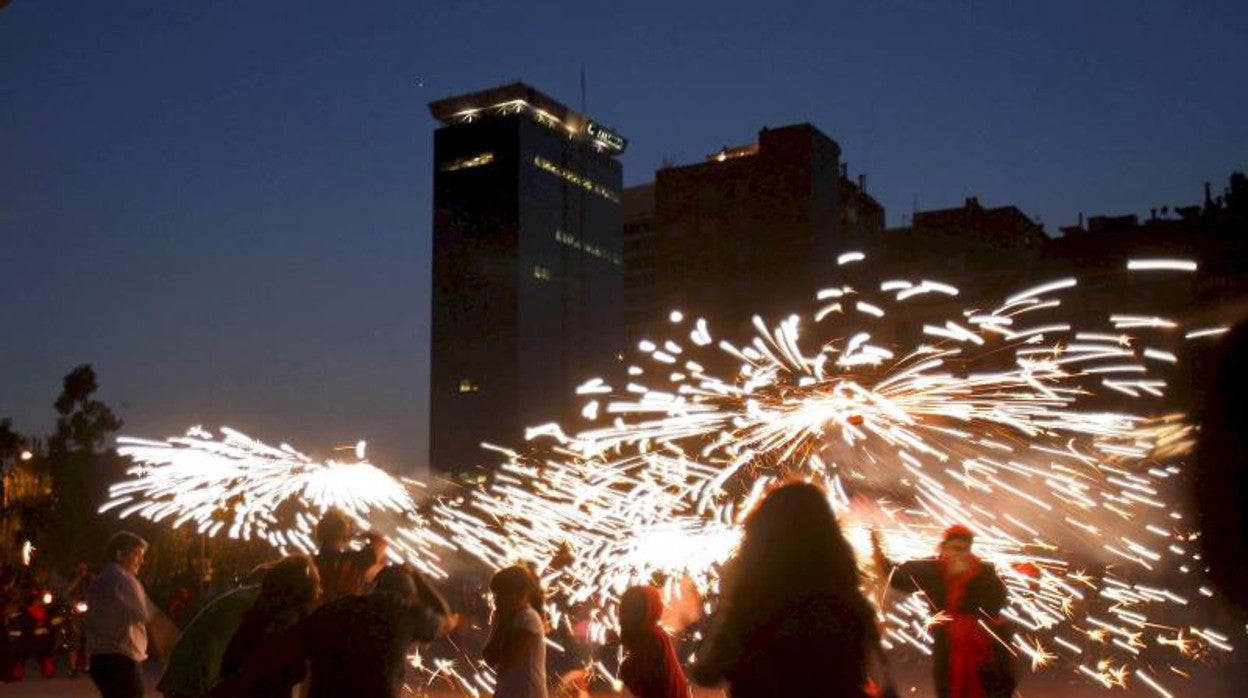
(436, 617)
(886, 568)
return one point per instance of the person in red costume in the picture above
(650, 668)
(968, 660)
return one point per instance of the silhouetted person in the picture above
(355, 646)
(967, 661)
(1222, 465)
(118, 612)
(76, 604)
(8, 598)
(791, 620)
(345, 571)
(288, 593)
(651, 668)
(516, 649)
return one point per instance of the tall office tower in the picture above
(527, 278)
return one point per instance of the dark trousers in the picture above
(117, 676)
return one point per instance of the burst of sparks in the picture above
(987, 421)
(992, 418)
(245, 489)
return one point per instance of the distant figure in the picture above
(118, 612)
(967, 661)
(651, 668)
(74, 633)
(516, 649)
(8, 652)
(344, 571)
(791, 620)
(355, 646)
(1221, 487)
(288, 593)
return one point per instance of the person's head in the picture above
(333, 531)
(640, 610)
(395, 579)
(290, 584)
(256, 575)
(792, 547)
(955, 547)
(127, 550)
(512, 587)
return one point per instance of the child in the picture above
(516, 649)
(651, 669)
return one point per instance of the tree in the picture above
(11, 442)
(84, 423)
(80, 469)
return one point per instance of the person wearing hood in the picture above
(651, 668)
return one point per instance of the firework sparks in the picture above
(994, 418)
(987, 421)
(245, 489)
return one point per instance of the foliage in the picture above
(84, 423)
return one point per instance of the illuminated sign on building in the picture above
(607, 138)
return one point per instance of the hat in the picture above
(958, 532)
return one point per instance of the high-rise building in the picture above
(752, 230)
(527, 267)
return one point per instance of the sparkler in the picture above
(246, 489)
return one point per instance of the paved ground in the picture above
(1220, 682)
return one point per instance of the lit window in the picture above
(541, 273)
(588, 248)
(468, 386)
(571, 177)
(465, 163)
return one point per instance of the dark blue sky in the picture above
(225, 206)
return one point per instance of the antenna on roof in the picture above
(583, 107)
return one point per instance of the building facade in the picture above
(527, 267)
(984, 251)
(752, 230)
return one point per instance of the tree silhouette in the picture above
(11, 444)
(80, 468)
(84, 423)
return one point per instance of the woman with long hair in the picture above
(791, 619)
(516, 649)
(288, 593)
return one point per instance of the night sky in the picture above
(225, 206)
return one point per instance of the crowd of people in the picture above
(41, 618)
(791, 620)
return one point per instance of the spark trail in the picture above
(244, 489)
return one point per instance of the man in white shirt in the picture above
(118, 611)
